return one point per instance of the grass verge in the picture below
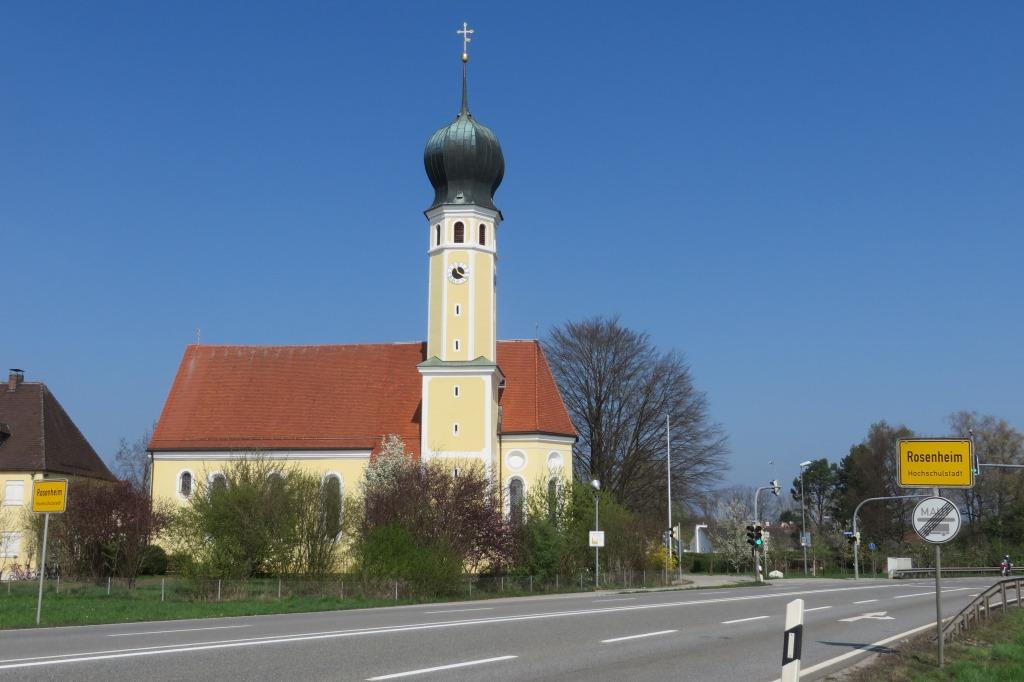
(993, 652)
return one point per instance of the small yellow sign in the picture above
(935, 463)
(50, 496)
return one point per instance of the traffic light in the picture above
(776, 488)
(751, 536)
(853, 538)
(758, 539)
(672, 533)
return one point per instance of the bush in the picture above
(391, 551)
(154, 561)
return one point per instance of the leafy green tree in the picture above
(819, 486)
(869, 470)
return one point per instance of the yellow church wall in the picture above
(166, 472)
(458, 295)
(530, 458)
(435, 305)
(483, 310)
(445, 409)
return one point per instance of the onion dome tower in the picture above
(461, 378)
(463, 159)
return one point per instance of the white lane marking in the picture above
(646, 634)
(866, 601)
(32, 661)
(605, 601)
(423, 671)
(877, 615)
(921, 594)
(164, 632)
(817, 608)
(483, 608)
(743, 620)
(863, 650)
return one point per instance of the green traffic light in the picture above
(759, 542)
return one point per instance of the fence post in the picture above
(396, 590)
(218, 589)
(58, 583)
(556, 582)
(343, 589)
(278, 588)
(531, 583)
(470, 586)
(645, 578)
(108, 585)
(1002, 586)
(581, 582)
(162, 581)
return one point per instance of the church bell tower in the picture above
(460, 376)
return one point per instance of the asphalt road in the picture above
(715, 634)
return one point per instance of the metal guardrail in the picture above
(982, 605)
(899, 573)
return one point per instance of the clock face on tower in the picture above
(458, 273)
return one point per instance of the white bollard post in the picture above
(163, 582)
(792, 641)
(108, 585)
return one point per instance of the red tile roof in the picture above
(331, 397)
(42, 436)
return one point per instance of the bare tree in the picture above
(131, 461)
(997, 493)
(619, 389)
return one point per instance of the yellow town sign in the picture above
(935, 463)
(49, 496)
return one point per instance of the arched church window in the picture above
(460, 233)
(437, 235)
(185, 484)
(515, 500)
(218, 482)
(483, 235)
(552, 498)
(331, 506)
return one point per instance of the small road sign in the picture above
(872, 546)
(50, 496)
(936, 520)
(597, 538)
(805, 539)
(935, 463)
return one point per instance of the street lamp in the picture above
(596, 485)
(803, 516)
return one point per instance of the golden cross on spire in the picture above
(465, 32)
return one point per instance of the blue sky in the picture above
(819, 203)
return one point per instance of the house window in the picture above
(483, 235)
(455, 429)
(14, 493)
(456, 344)
(515, 500)
(10, 543)
(331, 507)
(456, 391)
(458, 310)
(437, 235)
(460, 233)
(185, 484)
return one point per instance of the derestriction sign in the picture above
(49, 496)
(935, 463)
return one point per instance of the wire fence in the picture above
(337, 587)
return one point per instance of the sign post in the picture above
(49, 496)
(934, 463)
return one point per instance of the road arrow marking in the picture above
(877, 615)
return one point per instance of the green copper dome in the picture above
(464, 161)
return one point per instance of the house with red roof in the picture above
(461, 396)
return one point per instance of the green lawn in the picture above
(88, 604)
(991, 653)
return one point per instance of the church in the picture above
(460, 396)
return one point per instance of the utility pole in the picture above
(803, 512)
(668, 464)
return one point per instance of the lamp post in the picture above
(803, 515)
(596, 485)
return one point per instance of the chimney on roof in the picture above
(14, 378)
